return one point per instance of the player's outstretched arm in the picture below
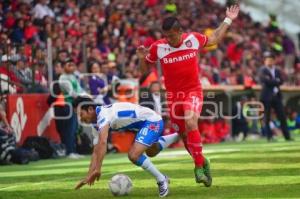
(142, 53)
(97, 159)
(232, 13)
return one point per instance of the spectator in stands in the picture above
(213, 130)
(105, 27)
(62, 55)
(8, 79)
(9, 151)
(297, 71)
(41, 83)
(223, 129)
(298, 122)
(271, 80)
(273, 26)
(58, 70)
(111, 70)
(4, 124)
(7, 147)
(292, 122)
(70, 88)
(239, 122)
(253, 113)
(171, 7)
(289, 50)
(63, 113)
(274, 125)
(6, 133)
(41, 10)
(235, 52)
(68, 82)
(98, 84)
(154, 99)
(23, 72)
(17, 35)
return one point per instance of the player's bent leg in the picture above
(153, 150)
(184, 139)
(138, 158)
(194, 144)
(193, 140)
(163, 142)
(136, 151)
(167, 140)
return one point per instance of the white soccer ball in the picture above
(120, 185)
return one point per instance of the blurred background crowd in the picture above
(42, 41)
(107, 33)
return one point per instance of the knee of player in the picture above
(191, 124)
(133, 157)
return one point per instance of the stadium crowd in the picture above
(101, 37)
(108, 32)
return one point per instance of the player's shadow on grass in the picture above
(192, 191)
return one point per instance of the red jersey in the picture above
(180, 66)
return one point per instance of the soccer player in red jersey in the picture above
(178, 54)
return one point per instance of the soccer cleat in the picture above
(202, 174)
(200, 177)
(206, 168)
(163, 187)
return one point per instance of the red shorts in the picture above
(192, 101)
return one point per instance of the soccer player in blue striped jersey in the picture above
(122, 117)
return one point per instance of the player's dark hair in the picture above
(171, 23)
(84, 102)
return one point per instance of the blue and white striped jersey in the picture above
(125, 116)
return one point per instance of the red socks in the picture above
(194, 145)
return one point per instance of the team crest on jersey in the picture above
(154, 127)
(188, 43)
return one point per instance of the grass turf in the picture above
(240, 170)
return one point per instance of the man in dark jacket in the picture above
(271, 79)
(154, 99)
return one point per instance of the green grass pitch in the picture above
(240, 170)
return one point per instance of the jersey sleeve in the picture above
(104, 117)
(151, 57)
(202, 39)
